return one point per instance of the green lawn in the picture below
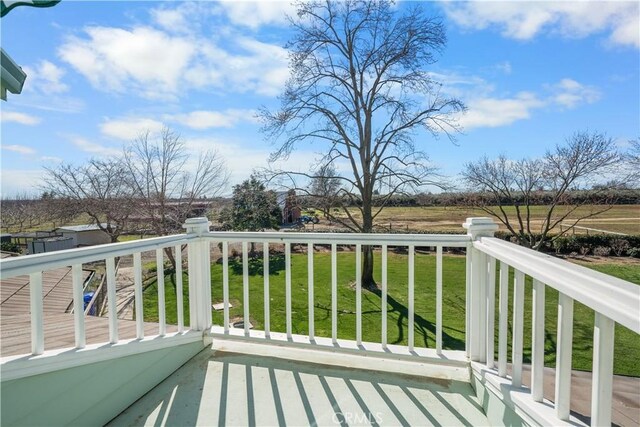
(627, 343)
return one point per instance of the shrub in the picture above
(10, 247)
(634, 252)
(602, 251)
(619, 246)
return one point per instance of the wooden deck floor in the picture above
(59, 332)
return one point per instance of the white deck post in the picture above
(476, 285)
(199, 306)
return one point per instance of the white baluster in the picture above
(491, 311)
(137, 288)
(563, 356)
(503, 319)
(310, 278)
(537, 342)
(111, 300)
(245, 286)
(410, 296)
(265, 271)
(162, 318)
(602, 382)
(439, 299)
(518, 329)
(334, 293)
(78, 305)
(179, 290)
(37, 321)
(359, 294)
(384, 295)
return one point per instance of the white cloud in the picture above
(524, 20)
(569, 93)
(254, 14)
(495, 112)
(45, 77)
(15, 181)
(167, 63)
(51, 159)
(129, 128)
(93, 148)
(143, 59)
(24, 119)
(213, 119)
(19, 149)
(486, 109)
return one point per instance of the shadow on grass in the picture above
(256, 267)
(422, 325)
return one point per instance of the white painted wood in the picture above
(410, 296)
(503, 319)
(615, 298)
(537, 340)
(16, 266)
(374, 239)
(563, 356)
(334, 292)
(177, 250)
(206, 288)
(287, 269)
(245, 286)
(78, 305)
(481, 299)
(475, 304)
(162, 316)
(359, 293)
(439, 299)
(602, 380)
(267, 301)
(111, 300)
(16, 367)
(518, 329)
(225, 284)
(37, 327)
(310, 280)
(383, 267)
(491, 312)
(137, 292)
(468, 306)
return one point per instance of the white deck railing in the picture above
(488, 263)
(613, 301)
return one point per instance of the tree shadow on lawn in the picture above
(422, 325)
(256, 267)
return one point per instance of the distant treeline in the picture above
(596, 197)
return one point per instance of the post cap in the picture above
(197, 225)
(480, 227)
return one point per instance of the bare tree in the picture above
(507, 189)
(632, 158)
(19, 212)
(359, 86)
(324, 192)
(168, 182)
(98, 188)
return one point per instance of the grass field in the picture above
(620, 218)
(627, 343)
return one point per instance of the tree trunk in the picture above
(367, 251)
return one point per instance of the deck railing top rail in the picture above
(613, 297)
(447, 240)
(12, 267)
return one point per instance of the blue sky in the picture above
(99, 73)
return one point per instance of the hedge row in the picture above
(602, 245)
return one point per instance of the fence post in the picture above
(477, 284)
(199, 274)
